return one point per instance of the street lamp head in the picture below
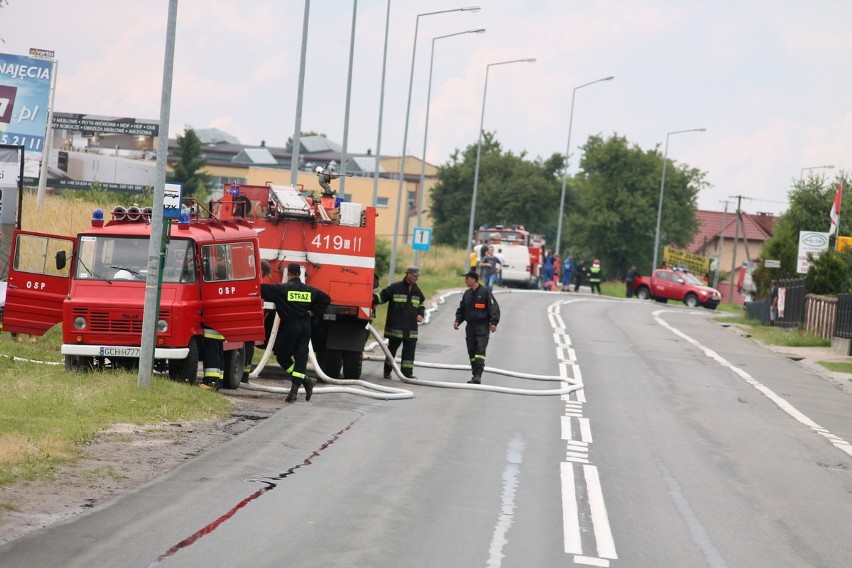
(530, 60)
(470, 9)
(476, 31)
(610, 78)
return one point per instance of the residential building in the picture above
(229, 161)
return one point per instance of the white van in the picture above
(516, 270)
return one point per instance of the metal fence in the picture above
(758, 310)
(792, 312)
(843, 320)
(823, 316)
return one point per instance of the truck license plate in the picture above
(119, 352)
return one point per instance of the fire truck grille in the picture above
(112, 321)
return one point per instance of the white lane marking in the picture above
(585, 430)
(566, 428)
(514, 457)
(600, 519)
(836, 441)
(570, 515)
(588, 561)
(577, 451)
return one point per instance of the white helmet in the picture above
(319, 169)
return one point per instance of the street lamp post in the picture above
(662, 186)
(802, 172)
(421, 187)
(381, 110)
(405, 134)
(479, 144)
(568, 157)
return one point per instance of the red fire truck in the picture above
(523, 257)
(94, 283)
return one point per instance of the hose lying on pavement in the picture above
(391, 393)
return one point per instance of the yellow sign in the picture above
(843, 243)
(694, 263)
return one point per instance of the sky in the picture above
(768, 79)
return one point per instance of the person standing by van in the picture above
(502, 259)
(488, 268)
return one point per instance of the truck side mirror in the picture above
(61, 260)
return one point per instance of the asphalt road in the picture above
(688, 446)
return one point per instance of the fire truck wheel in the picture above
(331, 363)
(78, 364)
(352, 364)
(233, 371)
(186, 370)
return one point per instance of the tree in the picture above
(617, 195)
(810, 202)
(828, 274)
(511, 191)
(289, 146)
(187, 171)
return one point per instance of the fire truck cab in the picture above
(94, 284)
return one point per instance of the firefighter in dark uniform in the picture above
(482, 314)
(296, 303)
(406, 309)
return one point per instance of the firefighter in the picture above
(406, 309)
(482, 314)
(296, 303)
(213, 358)
(595, 276)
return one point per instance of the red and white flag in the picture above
(835, 210)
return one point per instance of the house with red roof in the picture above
(718, 231)
(732, 239)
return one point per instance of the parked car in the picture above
(665, 284)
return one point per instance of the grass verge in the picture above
(48, 414)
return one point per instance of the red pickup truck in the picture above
(665, 285)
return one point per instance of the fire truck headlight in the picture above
(162, 326)
(80, 322)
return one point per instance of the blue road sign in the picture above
(421, 239)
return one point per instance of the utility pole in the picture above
(721, 245)
(739, 223)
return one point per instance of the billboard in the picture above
(116, 152)
(10, 172)
(24, 100)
